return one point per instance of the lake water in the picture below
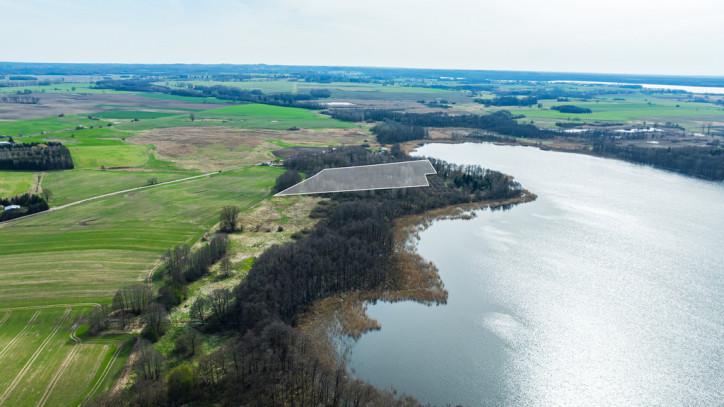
(691, 89)
(606, 291)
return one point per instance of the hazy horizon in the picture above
(617, 36)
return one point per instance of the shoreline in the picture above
(335, 321)
(557, 146)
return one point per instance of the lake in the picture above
(607, 290)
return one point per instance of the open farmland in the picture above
(251, 116)
(15, 182)
(74, 185)
(43, 365)
(90, 250)
(217, 147)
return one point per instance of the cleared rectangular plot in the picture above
(406, 174)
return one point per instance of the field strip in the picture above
(103, 375)
(29, 363)
(27, 325)
(63, 366)
(80, 304)
(126, 191)
(5, 318)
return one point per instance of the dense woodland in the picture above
(508, 101)
(35, 156)
(571, 109)
(705, 162)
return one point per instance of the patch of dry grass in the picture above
(218, 147)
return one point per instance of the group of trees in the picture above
(182, 266)
(35, 156)
(390, 132)
(508, 101)
(230, 93)
(572, 109)
(288, 179)
(336, 157)
(705, 162)
(20, 99)
(29, 204)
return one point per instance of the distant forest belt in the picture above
(406, 174)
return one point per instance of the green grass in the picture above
(15, 182)
(90, 250)
(130, 114)
(22, 340)
(250, 116)
(97, 157)
(74, 185)
(103, 136)
(35, 127)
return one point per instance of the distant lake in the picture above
(606, 291)
(692, 89)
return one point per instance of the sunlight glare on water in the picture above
(607, 290)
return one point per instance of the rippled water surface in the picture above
(607, 290)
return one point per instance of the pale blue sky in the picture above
(617, 36)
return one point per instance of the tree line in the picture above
(507, 101)
(20, 99)
(501, 122)
(35, 156)
(231, 93)
(705, 162)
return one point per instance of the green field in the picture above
(61, 88)
(15, 182)
(43, 365)
(90, 250)
(35, 127)
(250, 116)
(130, 114)
(74, 185)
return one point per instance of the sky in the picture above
(683, 37)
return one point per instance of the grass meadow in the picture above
(92, 249)
(43, 365)
(15, 182)
(74, 185)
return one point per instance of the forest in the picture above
(35, 156)
(571, 109)
(704, 162)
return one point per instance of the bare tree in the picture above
(226, 266)
(228, 218)
(156, 320)
(198, 310)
